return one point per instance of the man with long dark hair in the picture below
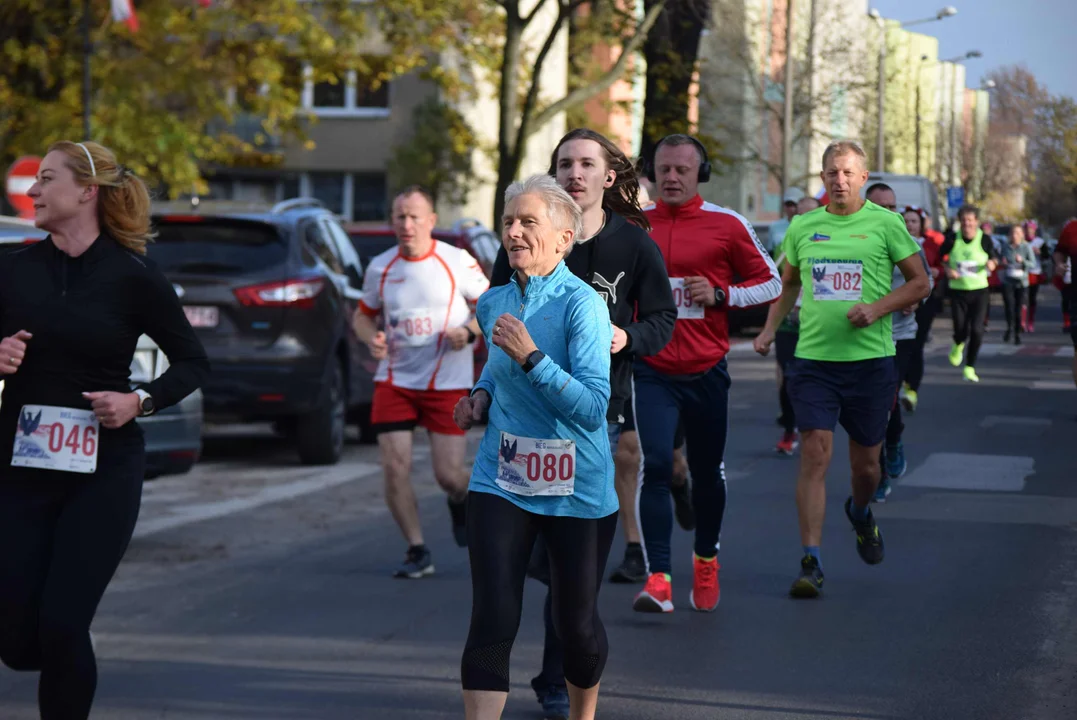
(624, 266)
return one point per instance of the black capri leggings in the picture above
(62, 536)
(500, 537)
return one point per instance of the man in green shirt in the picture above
(970, 258)
(843, 256)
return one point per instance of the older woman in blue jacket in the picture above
(544, 464)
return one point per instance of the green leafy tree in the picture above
(438, 155)
(193, 88)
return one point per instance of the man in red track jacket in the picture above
(714, 261)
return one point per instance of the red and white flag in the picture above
(124, 11)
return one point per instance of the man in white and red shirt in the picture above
(424, 292)
(714, 261)
(1065, 257)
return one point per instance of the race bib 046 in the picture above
(686, 308)
(56, 438)
(413, 327)
(530, 466)
(837, 281)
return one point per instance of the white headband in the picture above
(93, 170)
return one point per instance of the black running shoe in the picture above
(417, 563)
(869, 541)
(458, 513)
(632, 569)
(682, 505)
(810, 581)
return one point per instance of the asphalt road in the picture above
(256, 588)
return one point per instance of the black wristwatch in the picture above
(532, 360)
(719, 297)
(470, 335)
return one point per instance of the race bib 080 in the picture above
(530, 466)
(56, 438)
(413, 327)
(686, 308)
(837, 281)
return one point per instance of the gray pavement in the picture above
(256, 588)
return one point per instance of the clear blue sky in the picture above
(1037, 33)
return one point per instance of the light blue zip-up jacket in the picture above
(563, 397)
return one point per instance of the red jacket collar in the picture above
(689, 208)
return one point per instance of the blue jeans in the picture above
(553, 667)
(701, 402)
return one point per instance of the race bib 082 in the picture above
(413, 327)
(56, 438)
(531, 466)
(837, 280)
(686, 308)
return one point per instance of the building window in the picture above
(369, 197)
(329, 188)
(350, 96)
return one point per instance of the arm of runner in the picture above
(654, 304)
(473, 283)
(791, 286)
(989, 247)
(750, 260)
(584, 396)
(916, 288)
(164, 321)
(364, 321)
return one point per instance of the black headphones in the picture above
(704, 167)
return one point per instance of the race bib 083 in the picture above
(413, 327)
(56, 438)
(686, 308)
(837, 280)
(530, 466)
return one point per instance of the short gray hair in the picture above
(845, 147)
(562, 210)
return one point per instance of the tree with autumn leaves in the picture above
(168, 97)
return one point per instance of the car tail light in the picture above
(298, 293)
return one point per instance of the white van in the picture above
(912, 190)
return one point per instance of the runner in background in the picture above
(1065, 257)
(930, 242)
(971, 258)
(425, 291)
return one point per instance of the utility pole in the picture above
(880, 143)
(87, 52)
(787, 120)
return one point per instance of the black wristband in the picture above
(470, 335)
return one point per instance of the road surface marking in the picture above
(967, 471)
(992, 420)
(181, 515)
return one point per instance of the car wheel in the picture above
(320, 433)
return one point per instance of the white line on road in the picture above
(1052, 385)
(187, 514)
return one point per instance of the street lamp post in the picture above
(880, 146)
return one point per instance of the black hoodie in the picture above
(626, 268)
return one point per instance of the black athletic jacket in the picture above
(626, 268)
(86, 314)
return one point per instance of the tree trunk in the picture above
(508, 139)
(671, 50)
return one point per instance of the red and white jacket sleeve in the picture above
(762, 283)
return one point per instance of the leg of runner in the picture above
(627, 459)
(679, 487)
(1071, 296)
(400, 496)
(657, 414)
(960, 309)
(925, 316)
(1020, 292)
(447, 453)
(978, 302)
(63, 545)
(1033, 303)
(578, 552)
(785, 345)
(1013, 315)
(706, 423)
(896, 464)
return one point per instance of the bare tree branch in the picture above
(611, 76)
(535, 10)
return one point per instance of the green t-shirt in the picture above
(843, 260)
(969, 259)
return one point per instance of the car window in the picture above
(371, 245)
(216, 246)
(353, 265)
(485, 245)
(317, 239)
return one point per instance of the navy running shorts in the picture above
(857, 394)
